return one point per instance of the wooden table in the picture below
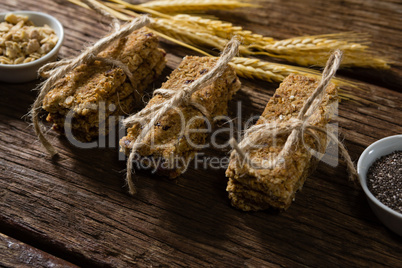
(75, 210)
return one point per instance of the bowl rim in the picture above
(50, 53)
(363, 181)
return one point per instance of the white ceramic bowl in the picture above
(24, 72)
(389, 217)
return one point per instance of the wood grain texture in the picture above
(76, 207)
(14, 253)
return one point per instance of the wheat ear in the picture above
(315, 50)
(276, 72)
(245, 67)
(183, 6)
(222, 29)
(304, 51)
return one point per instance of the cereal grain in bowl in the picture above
(21, 41)
(384, 147)
(28, 40)
(384, 180)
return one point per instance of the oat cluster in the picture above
(21, 41)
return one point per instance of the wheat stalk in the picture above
(195, 24)
(209, 28)
(275, 72)
(257, 69)
(188, 34)
(192, 34)
(304, 51)
(101, 6)
(314, 50)
(222, 29)
(182, 6)
(319, 42)
(182, 32)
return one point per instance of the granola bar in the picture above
(170, 145)
(91, 89)
(257, 189)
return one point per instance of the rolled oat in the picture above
(21, 41)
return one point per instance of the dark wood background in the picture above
(75, 211)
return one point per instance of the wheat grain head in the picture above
(315, 50)
(183, 6)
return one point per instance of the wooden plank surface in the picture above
(14, 253)
(75, 207)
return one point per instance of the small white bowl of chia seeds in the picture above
(380, 173)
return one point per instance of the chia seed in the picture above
(384, 180)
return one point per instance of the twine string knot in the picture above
(295, 127)
(174, 98)
(56, 70)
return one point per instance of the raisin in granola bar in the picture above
(179, 134)
(93, 92)
(258, 189)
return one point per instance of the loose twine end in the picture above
(174, 99)
(300, 125)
